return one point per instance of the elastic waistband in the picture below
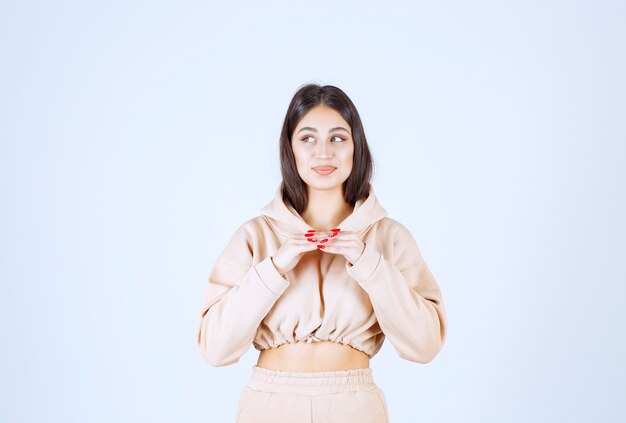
(311, 383)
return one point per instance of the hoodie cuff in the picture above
(270, 277)
(364, 267)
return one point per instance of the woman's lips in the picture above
(324, 170)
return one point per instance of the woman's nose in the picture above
(322, 150)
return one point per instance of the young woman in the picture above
(319, 279)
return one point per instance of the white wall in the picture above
(135, 138)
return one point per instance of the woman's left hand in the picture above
(346, 243)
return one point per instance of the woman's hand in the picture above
(292, 250)
(346, 243)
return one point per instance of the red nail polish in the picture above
(320, 246)
(324, 240)
(309, 234)
(335, 230)
(311, 239)
(311, 230)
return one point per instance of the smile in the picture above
(324, 170)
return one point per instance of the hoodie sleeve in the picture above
(405, 297)
(240, 292)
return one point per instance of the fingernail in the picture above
(336, 230)
(320, 246)
(308, 234)
(311, 239)
(324, 240)
(311, 231)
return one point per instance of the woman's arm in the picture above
(405, 297)
(240, 293)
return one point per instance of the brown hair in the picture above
(306, 97)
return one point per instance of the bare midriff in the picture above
(322, 356)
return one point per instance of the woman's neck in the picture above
(326, 209)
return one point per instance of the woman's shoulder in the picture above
(392, 227)
(396, 240)
(254, 227)
(246, 239)
(254, 222)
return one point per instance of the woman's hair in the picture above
(307, 97)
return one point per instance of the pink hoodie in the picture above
(388, 292)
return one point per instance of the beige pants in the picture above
(343, 396)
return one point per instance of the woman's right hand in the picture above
(292, 250)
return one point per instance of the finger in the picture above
(320, 237)
(320, 234)
(311, 239)
(341, 240)
(311, 236)
(330, 249)
(340, 243)
(333, 233)
(324, 247)
(302, 244)
(300, 240)
(348, 236)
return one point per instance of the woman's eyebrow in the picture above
(310, 128)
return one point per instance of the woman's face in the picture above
(323, 139)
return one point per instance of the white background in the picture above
(136, 137)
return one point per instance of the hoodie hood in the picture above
(286, 221)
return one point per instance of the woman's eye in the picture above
(311, 136)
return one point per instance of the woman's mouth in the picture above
(324, 170)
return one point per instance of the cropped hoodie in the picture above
(389, 291)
